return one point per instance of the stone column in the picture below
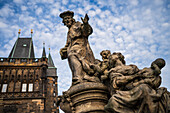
(88, 97)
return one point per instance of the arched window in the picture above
(19, 76)
(12, 77)
(25, 77)
(24, 87)
(6, 76)
(31, 77)
(30, 87)
(4, 88)
(36, 77)
(55, 104)
(54, 93)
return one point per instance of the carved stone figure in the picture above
(152, 74)
(101, 68)
(77, 48)
(143, 95)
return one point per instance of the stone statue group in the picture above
(131, 90)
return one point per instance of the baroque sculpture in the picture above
(108, 86)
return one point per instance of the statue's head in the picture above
(116, 59)
(159, 62)
(105, 54)
(67, 17)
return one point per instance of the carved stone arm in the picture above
(63, 53)
(86, 28)
(121, 79)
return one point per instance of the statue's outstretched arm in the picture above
(86, 28)
(123, 80)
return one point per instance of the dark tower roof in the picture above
(23, 48)
(44, 53)
(50, 61)
(52, 70)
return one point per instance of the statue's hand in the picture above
(63, 53)
(85, 20)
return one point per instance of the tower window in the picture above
(4, 88)
(12, 76)
(19, 77)
(30, 87)
(54, 104)
(24, 45)
(54, 84)
(24, 87)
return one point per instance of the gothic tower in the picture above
(27, 84)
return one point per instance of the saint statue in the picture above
(77, 48)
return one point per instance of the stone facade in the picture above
(25, 86)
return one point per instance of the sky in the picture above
(139, 29)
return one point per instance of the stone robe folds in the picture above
(78, 48)
(140, 99)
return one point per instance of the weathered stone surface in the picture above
(136, 90)
(87, 97)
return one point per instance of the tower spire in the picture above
(50, 60)
(44, 53)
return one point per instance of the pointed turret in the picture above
(51, 71)
(50, 60)
(44, 53)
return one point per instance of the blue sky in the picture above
(140, 29)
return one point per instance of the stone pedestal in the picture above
(89, 97)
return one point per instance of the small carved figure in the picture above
(151, 75)
(101, 67)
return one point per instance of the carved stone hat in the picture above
(67, 13)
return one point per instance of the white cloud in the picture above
(55, 12)
(3, 25)
(134, 2)
(6, 11)
(118, 27)
(23, 8)
(168, 5)
(64, 2)
(166, 24)
(18, 1)
(39, 11)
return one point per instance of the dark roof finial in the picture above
(19, 32)
(44, 53)
(31, 32)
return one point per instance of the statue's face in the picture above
(113, 59)
(68, 21)
(105, 54)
